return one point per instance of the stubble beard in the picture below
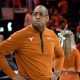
(38, 26)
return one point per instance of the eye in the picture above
(41, 14)
(34, 14)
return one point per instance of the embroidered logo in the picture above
(48, 38)
(30, 39)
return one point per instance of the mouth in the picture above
(38, 22)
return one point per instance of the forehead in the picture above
(40, 10)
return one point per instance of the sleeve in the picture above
(11, 44)
(77, 60)
(59, 55)
(6, 47)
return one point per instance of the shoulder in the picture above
(21, 33)
(52, 34)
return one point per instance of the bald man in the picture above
(35, 48)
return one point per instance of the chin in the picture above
(36, 24)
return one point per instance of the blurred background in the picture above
(16, 14)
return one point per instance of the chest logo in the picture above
(48, 38)
(30, 38)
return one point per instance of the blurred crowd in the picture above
(63, 14)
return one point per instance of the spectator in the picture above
(28, 18)
(78, 46)
(17, 3)
(63, 6)
(9, 3)
(77, 35)
(1, 38)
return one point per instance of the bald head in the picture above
(41, 8)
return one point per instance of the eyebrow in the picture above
(35, 12)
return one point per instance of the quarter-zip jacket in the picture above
(42, 45)
(30, 60)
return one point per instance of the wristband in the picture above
(57, 74)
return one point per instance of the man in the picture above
(35, 47)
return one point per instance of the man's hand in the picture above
(78, 73)
(54, 77)
(18, 77)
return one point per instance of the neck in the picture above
(39, 29)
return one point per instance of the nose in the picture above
(37, 16)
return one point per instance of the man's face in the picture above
(39, 18)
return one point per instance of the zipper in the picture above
(41, 39)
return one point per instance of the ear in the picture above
(47, 19)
